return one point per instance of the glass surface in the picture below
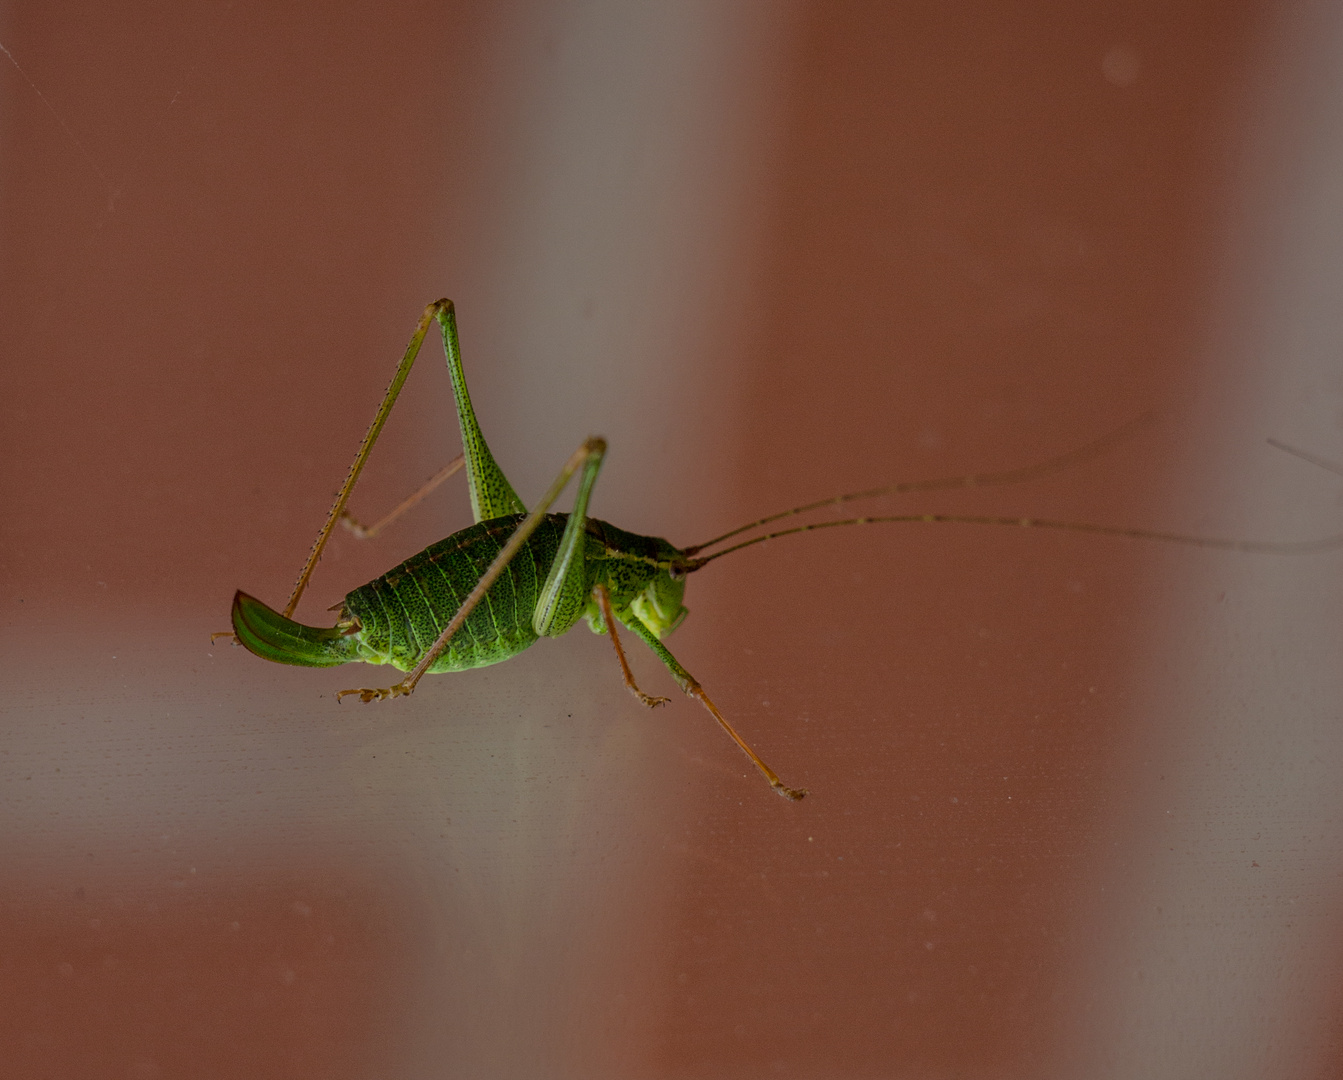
(1074, 807)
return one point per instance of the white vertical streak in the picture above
(627, 220)
(1225, 924)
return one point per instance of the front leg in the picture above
(603, 598)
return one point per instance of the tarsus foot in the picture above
(366, 695)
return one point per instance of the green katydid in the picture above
(489, 591)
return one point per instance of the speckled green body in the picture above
(400, 614)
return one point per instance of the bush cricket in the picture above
(489, 591)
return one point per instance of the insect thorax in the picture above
(636, 571)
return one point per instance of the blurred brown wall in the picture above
(966, 236)
(996, 227)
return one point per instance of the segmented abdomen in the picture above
(403, 612)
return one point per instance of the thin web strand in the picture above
(1323, 463)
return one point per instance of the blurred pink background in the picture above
(1074, 805)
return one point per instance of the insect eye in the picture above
(676, 573)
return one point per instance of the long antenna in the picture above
(972, 480)
(1301, 547)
